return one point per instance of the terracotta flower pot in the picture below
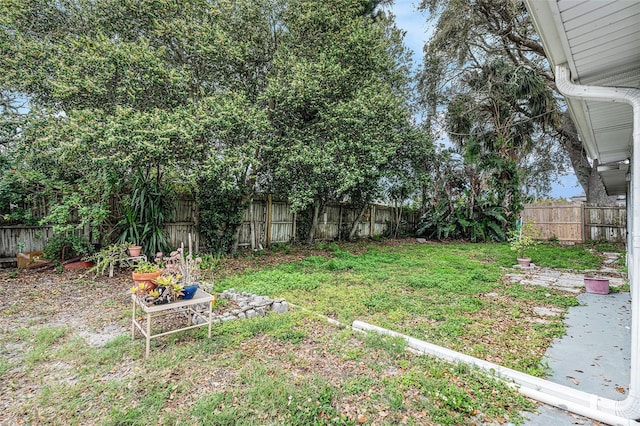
(525, 262)
(148, 279)
(134, 251)
(78, 265)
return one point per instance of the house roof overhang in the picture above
(599, 41)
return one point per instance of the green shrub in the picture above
(62, 247)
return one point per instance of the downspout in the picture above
(630, 407)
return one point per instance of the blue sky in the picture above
(418, 31)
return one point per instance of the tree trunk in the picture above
(236, 240)
(587, 175)
(398, 218)
(596, 192)
(354, 224)
(314, 222)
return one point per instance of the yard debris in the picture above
(574, 380)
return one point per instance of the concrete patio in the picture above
(594, 355)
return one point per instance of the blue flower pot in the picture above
(189, 291)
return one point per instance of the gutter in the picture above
(629, 407)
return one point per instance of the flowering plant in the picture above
(180, 265)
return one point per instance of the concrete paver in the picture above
(559, 280)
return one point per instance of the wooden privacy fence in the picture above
(272, 222)
(578, 222)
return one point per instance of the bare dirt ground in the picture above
(98, 310)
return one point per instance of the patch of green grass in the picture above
(216, 408)
(542, 295)
(275, 280)
(40, 342)
(396, 346)
(576, 257)
(296, 369)
(605, 246)
(427, 291)
(356, 385)
(316, 410)
(5, 366)
(460, 394)
(624, 288)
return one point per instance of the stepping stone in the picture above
(544, 311)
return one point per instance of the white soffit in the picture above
(600, 42)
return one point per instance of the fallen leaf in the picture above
(619, 389)
(574, 380)
(361, 418)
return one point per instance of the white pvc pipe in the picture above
(560, 396)
(630, 407)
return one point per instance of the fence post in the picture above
(269, 213)
(583, 228)
(293, 227)
(340, 222)
(372, 220)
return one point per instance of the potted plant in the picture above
(108, 257)
(521, 240)
(174, 281)
(147, 273)
(168, 290)
(186, 266)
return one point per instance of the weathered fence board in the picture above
(178, 233)
(561, 221)
(33, 238)
(277, 214)
(578, 222)
(184, 210)
(605, 224)
(566, 222)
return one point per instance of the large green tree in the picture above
(495, 119)
(220, 98)
(133, 88)
(468, 36)
(339, 95)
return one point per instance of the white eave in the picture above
(599, 40)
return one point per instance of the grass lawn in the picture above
(290, 368)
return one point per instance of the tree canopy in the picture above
(309, 99)
(471, 36)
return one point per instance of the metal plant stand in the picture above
(147, 313)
